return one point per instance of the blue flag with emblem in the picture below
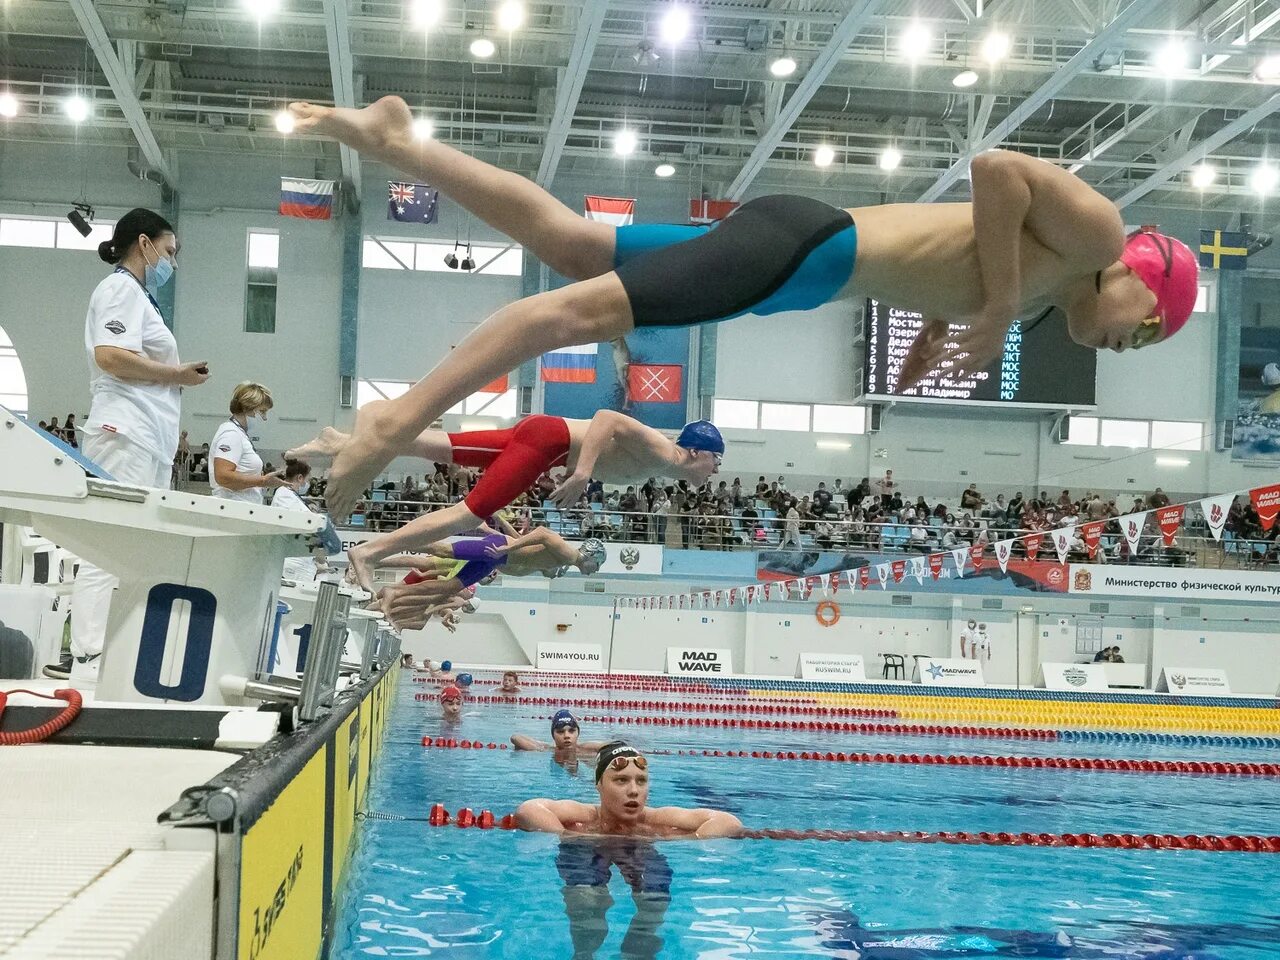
(412, 202)
(1223, 250)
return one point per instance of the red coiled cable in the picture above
(48, 729)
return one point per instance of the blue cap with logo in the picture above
(563, 718)
(701, 435)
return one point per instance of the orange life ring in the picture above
(828, 613)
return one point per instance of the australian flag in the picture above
(412, 202)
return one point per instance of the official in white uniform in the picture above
(236, 472)
(297, 477)
(135, 381)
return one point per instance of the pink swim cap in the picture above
(1170, 270)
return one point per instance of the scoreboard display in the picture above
(1042, 367)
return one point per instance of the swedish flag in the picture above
(1223, 250)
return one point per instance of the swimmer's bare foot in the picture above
(368, 130)
(360, 566)
(328, 444)
(370, 447)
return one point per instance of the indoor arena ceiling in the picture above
(1092, 84)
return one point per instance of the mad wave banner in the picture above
(1169, 519)
(1215, 510)
(950, 672)
(1132, 526)
(1192, 583)
(864, 577)
(586, 657)
(1266, 500)
(899, 568)
(699, 661)
(1091, 534)
(1031, 544)
(975, 556)
(935, 565)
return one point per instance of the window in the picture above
(69, 237)
(1084, 432)
(1125, 433)
(1177, 435)
(383, 253)
(500, 405)
(260, 291)
(1206, 302)
(784, 416)
(16, 232)
(830, 418)
(743, 414)
(13, 382)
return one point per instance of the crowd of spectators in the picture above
(64, 430)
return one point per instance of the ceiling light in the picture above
(664, 170)
(890, 157)
(261, 9)
(482, 48)
(1203, 175)
(1264, 178)
(915, 41)
(8, 105)
(423, 128)
(833, 445)
(1172, 462)
(624, 142)
(675, 25)
(284, 121)
(1267, 70)
(510, 15)
(427, 13)
(1171, 59)
(965, 78)
(995, 46)
(77, 108)
(782, 67)
(823, 155)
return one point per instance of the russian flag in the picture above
(570, 364)
(308, 199)
(615, 210)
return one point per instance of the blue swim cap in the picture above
(446, 665)
(463, 679)
(563, 718)
(701, 435)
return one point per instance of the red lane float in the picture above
(761, 708)
(908, 729)
(448, 744)
(1233, 843)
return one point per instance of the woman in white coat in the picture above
(135, 381)
(235, 467)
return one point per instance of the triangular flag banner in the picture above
(1091, 534)
(1170, 521)
(1062, 537)
(1216, 510)
(958, 556)
(733, 597)
(1266, 500)
(935, 564)
(899, 568)
(833, 583)
(864, 577)
(806, 588)
(1003, 550)
(1132, 526)
(767, 590)
(975, 555)
(882, 571)
(1031, 543)
(751, 594)
(717, 598)
(918, 569)
(786, 589)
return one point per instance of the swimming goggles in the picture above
(620, 763)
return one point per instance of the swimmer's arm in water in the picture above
(552, 816)
(592, 746)
(702, 824)
(520, 742)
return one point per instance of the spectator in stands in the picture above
(998, 511)
(658, 506)
(859, 493)
(971, 499)
(1064, 499)
(762, 488)
(713, 528)
(919, 536)
(1095, 509)
(791, 527)
(723, 499)
(885, 488)
(824, 533)
(1016, 504)
(821, 500)
(1158, 499)
(673, 532)
(805, 509)
(200, 463)
(69, 431)
(649, 491)
(838, 492)
(895, 502)
(735, 493)
(782, 483)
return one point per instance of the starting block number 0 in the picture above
(198, 643)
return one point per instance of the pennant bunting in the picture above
(1004, 549)
(1091, 534)
(1216, 510)
(959, 556)
(1132, 526)
(1031, 543)
(1169, 519)
(1266, 500)
(1062, 537)
(935, 564)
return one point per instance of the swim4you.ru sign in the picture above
(1174, 583)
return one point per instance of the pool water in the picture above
(417, 891)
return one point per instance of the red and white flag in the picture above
(935, 564)
(1062, 537)
(1091, 534)
(1266, 500)
(882, 571)
(975, 555)
(709, 211)
(1216, 510)
(918, 569)
(1031, 543)
(1169, 520)
(899, 568)
(655, 382)
(615, 210)
(1132, 526)
(1004, 549)
(959, 556)
(864, 577)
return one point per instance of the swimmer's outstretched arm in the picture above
(552, 816)
(540, 540)
(608, 427)
(520, 742)
(1012, 193)
(701, 823)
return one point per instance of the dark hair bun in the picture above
(107, 251)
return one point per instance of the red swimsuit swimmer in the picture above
(512, 459)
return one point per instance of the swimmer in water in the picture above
(1033, 237)
(609, 447)
(511, 685)
(565, 746)
(622, 781)
(451, 704)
